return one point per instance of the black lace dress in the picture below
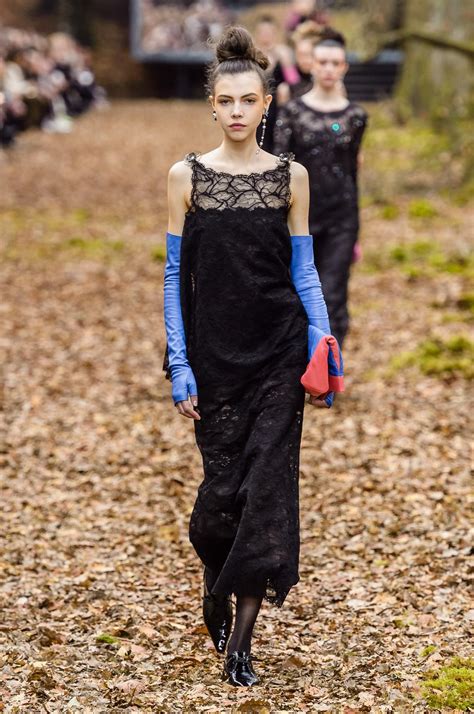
(246, 334)
(327, 144)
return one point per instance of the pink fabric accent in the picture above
(291, 74)
(336, 384)
(292, 20)
(356, 253)
(317, 380)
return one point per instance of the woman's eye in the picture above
(251, 101)
(224, 101)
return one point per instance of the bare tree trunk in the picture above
(436, 82)
(379, 18)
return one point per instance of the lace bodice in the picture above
(220, 190)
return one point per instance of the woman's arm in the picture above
(303, 270)
(184, 383)
(298, 221)
(179, 196)
(359, 127)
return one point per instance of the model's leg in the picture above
(246, 614)
(217, 611)
(238, 669)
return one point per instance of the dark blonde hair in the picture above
(308, 30)
(237, 53)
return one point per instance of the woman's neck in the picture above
(242, 153)
(327, 98)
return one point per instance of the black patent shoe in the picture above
(217, 613)
(238, 670)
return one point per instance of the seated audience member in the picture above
(44, 82)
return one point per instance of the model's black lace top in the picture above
(246, 337)
(327, 144)
(219, 189)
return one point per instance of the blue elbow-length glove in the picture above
(307, 283)
(182, 377)
(308, 286)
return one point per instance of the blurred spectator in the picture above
(175, 27)
(281, 67)
(72, 65)
(303, 10)
(44, 82)
(12, 109)
(302, 40)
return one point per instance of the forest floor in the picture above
(99, 587)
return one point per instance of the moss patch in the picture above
(95, 246)
(452, 685)
(466, 302)
(44, 235)
(422, 208)
(422, 258)
(390, 212)
(107, 639)
(440, 358)
(158, 253)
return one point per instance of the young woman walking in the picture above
(241, 291)
(324, 130)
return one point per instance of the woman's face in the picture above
(265, 35)
(239, 103)
(304, 55)
(329, 66)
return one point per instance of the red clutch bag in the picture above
(325, 370)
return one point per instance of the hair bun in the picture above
(236, 44)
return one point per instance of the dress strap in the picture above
(191, 158)
(285, 159)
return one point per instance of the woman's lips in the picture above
(237, 126)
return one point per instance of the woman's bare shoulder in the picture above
(299, 173)
(179, 172)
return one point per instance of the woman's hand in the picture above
(318, 401)
(187, 408)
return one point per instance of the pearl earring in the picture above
(264, 126)
(214, 114)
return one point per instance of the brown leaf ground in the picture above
(100, 589)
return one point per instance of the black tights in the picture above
(246, 613)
